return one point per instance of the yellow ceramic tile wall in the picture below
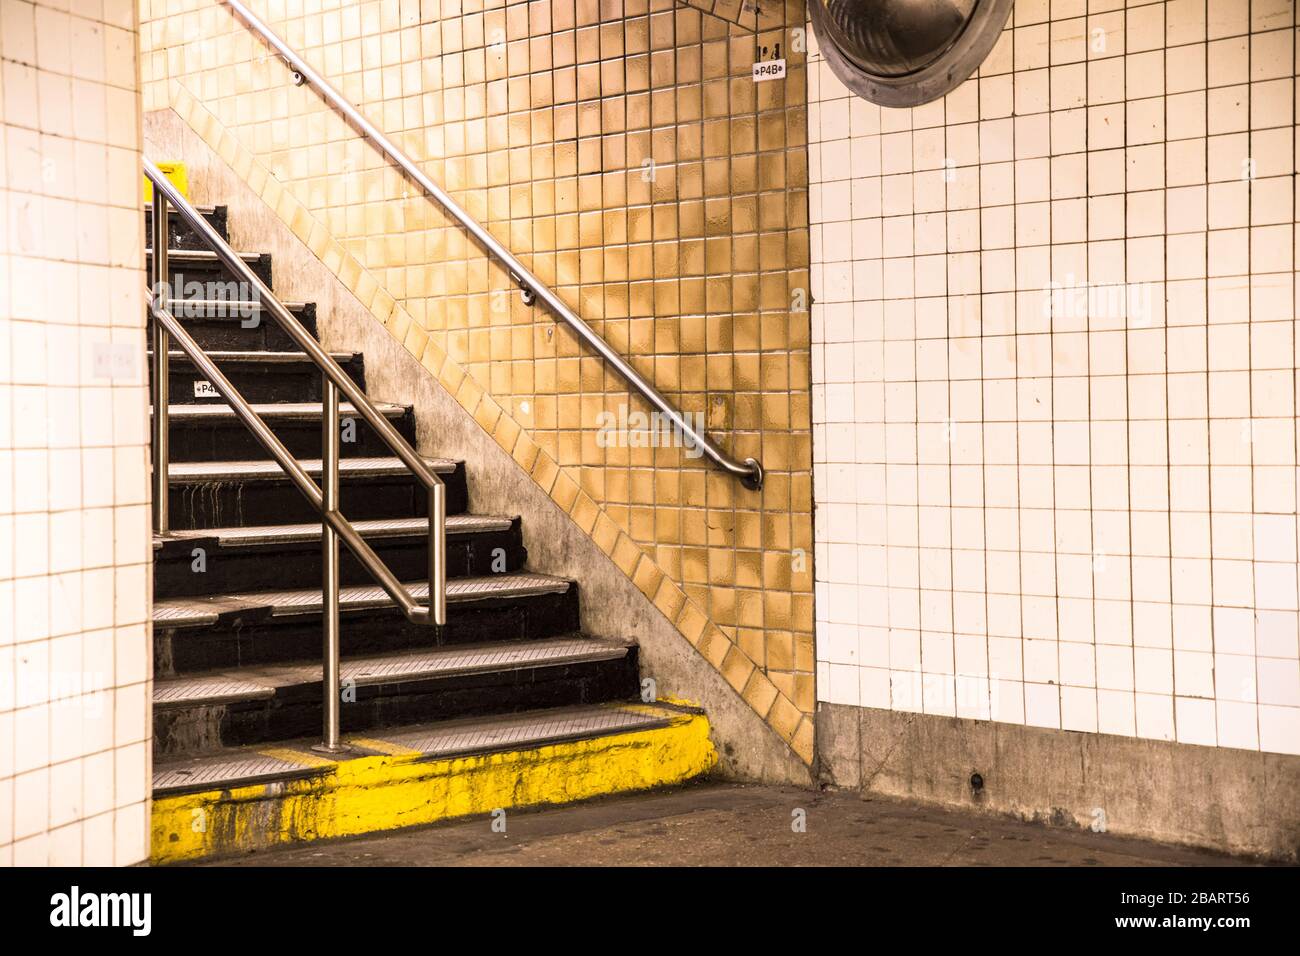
(623, 151)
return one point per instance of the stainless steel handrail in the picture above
(750, 471)
(325, 501)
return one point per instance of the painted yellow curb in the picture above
(385, 792)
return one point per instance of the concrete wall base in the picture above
(1238, 801)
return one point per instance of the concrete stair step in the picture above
(264, 682)
(207, 472)
(188, 266)
(232, 560)
(311, 532)
(261, 377)
(236, 324)
(228, 630)
(210, 430)
(295, 760)
(179, 233)
(249, 798)
(218, 494)
(181, 415)
(204, 612)
(258, 358)
(203, 712)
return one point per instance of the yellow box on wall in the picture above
(177, 173)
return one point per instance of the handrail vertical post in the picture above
(161, 366)
(438, 553)
(330, 563)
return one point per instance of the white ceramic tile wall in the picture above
(75, 559)
(1054, 363)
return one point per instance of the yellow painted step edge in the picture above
(385, 792)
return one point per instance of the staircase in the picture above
(508, 704)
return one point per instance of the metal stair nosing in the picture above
(254, 535)
(207, 611)
(201, 472)
(264, 682)
(239, 305)
(283, 411)
(254, 357)
(203, 255)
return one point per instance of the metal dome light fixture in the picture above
(906, 52)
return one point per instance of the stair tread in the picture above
(212, 689)
(276, 410)
(374, 528)
(239, 766)
(194, 472)
(203, 611)
(261, 682)
(267, 358)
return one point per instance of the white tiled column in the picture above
(1054, 366)
(75, 556)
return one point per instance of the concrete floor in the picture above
(738, 825)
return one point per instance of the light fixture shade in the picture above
(906, 52)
